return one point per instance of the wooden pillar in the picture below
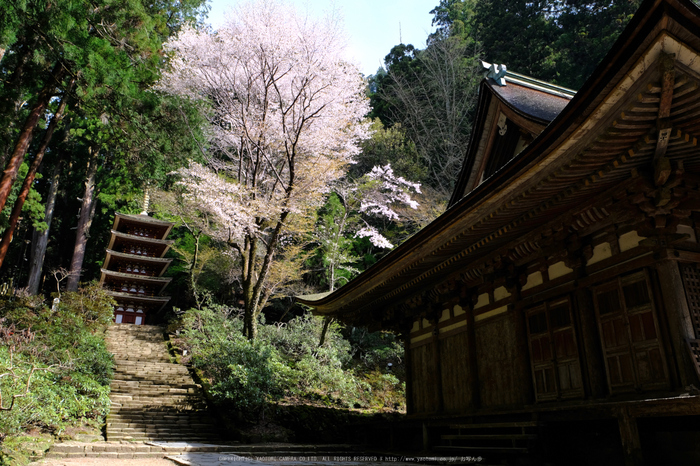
(593, 366)
(680, 324)
(437, 372)
(524, 364)
(426, 437)
(472, 361)
(408, 357)
(629, 435)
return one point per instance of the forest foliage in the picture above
(284, 170)
(428, 94)
(140, 109)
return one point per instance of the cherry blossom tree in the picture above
(285, 118)
(352, 207)
(375, 196)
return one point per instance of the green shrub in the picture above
(244, 375)
(374, 351)
(318, 369)
(286, 360)
(55, 359)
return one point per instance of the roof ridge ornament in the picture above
(496, 72)
(499, 73)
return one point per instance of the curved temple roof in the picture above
(600, 141)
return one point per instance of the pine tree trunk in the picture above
(29, 179)
(25, 136)
(10, 101)
(40, 239)
(87, 211)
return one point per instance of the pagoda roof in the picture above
(153, 302)
(122, 221)
(602, 142)
(162, 245)
(160, 264)
(111, 275)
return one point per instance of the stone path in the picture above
(209, 459)
(201, 454)
(103, 462)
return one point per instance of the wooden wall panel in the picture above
(456, 385)
(500, 363)
(424, 373)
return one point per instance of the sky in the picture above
(373, 26)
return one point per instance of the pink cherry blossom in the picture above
(286, 113)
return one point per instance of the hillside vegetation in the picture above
(285, 365)
(54, 368)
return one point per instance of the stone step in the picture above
(165, 438)
(175, 401)
(148, 373)
(156, 424)
(143, 381)
(195, 416)
(170, 393)
(130, 449)
(160, 432)
(146, 367)
(157, 431)
(127, 416)
(150, 383)
(118, 409)
(155, 377)
(152, 397)
(146, 395)
(126, 365)
(136, 387)
(184, 407)
(127, 423)
(175, 447)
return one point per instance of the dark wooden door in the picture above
(556, 370)
(629, 331)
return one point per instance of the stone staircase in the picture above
(153, 399)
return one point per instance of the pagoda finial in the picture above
(146, 199)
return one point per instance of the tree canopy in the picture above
(262, 120)
(96, 61)
(553, 40)
(285, 119)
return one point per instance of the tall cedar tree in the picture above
(112, 52)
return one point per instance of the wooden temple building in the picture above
(134, 265)
(561, 288)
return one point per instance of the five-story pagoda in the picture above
(134, 266)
